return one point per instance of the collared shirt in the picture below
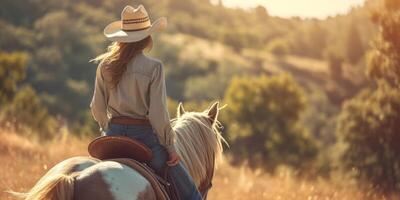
(141, 94)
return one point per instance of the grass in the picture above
(24, 161)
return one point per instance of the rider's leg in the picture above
(186, 187)
(183, 181)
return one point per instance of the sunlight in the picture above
(303, 8)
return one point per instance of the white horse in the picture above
(198, 142)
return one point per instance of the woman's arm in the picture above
(158, 113)
(99, 101)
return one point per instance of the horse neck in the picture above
(197, 147)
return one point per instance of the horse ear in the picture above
(213, 111)
(180, 110)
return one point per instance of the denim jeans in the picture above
(145, 134)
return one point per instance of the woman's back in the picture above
(140, 93)
(131, 96)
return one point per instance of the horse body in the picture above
(198, 143)
(111, 180)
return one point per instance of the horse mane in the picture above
(198, 142)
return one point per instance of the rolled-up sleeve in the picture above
(98, 105)
(158, 113)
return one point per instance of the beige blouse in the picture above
(140, 94)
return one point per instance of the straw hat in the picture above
(134, 25)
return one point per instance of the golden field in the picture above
(24, 161)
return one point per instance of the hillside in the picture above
(305, 101)
(25, 160)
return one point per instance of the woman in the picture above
(130, 95)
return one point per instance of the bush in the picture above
(369, 124)
(28, 115)
(263, 114)
(12, 72)
(278, 47)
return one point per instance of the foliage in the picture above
(263, 114)
(87, 127)
(29, 115)
(369, 124)
(12, 72)
(309, 40)
(261, 12)
(278, 47)
(59, 52)
(14, 38)
(335, 66)
(236, 39)
(354, 48)
(211, 86)
(384, 59)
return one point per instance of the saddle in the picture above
(109, 147)
(136, 155)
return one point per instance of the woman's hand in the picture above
(173, 158)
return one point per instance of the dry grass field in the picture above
(24, 161)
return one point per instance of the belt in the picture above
(123, 120)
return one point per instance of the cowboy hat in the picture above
(134, 25)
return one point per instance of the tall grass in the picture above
(25, 160)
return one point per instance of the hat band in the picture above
(139, 29)
(137, 24)
(134, 21)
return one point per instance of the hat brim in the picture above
(114, 32)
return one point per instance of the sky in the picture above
(303, 8)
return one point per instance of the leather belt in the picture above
(123, 120)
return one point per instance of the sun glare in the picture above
(302, 8)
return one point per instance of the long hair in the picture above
(118, 55)
(198, 143)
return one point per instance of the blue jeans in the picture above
(145, 134)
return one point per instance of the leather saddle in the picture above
(122, 149)
(110, 147)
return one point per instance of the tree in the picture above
(235, 38)
(369, 123)
(61, 63)
(335, 65)
(384, 59)
(263, 114)
(261, 12)
(15, 38)
(278, 47)
(316, 39)
(29, 115)
(355, 49)
(19, 105)
(12, 72)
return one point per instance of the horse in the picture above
(198, 142)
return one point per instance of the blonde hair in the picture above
(119, 54)
(199, 143)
